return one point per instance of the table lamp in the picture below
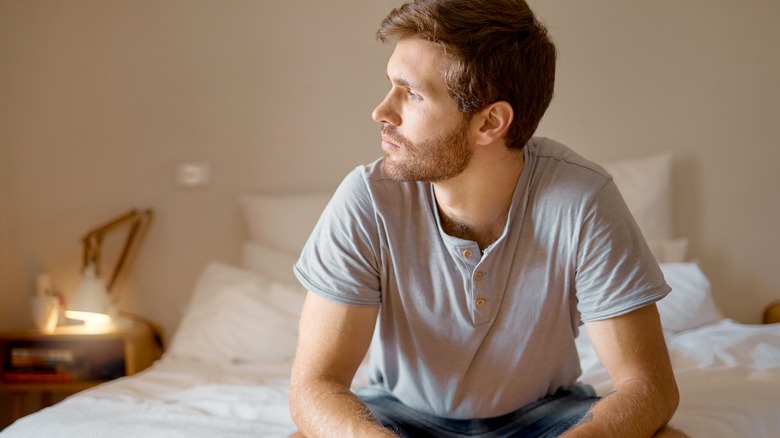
(92, 300)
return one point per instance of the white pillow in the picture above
(690, 304)
(282, 222)
(275, 264)
(669, 250)
(646, 186)
(237, 316)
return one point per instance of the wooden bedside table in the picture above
(772, 313)
(70, 359)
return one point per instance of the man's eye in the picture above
(414, 96)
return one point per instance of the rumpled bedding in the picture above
(728, 375)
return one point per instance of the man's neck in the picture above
(475, 204)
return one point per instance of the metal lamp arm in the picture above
(137, 220)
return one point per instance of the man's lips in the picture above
(387, 143)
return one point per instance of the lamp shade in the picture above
(90, 302)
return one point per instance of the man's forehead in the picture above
(417, 63)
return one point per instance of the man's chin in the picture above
(392, 170)
(399, 173)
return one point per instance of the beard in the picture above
(432, 160)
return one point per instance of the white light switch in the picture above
(193, 174)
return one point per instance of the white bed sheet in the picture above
(173, 398)
(728, 374)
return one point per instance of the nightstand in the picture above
(70, 359)
(772, 313)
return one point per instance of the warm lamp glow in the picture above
(90, 302)
(89, 318)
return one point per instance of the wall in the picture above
(4, 204)
(5, 403)
(101, 99)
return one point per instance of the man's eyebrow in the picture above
(405, 83)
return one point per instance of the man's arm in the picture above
(633, 351)
(332, 342)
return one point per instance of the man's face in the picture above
(424, 136)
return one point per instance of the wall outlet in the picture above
(193, 174)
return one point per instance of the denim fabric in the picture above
(548, 417)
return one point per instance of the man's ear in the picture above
(492, 122)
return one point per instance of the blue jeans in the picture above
(548, 417)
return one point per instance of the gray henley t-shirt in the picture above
(465, 334)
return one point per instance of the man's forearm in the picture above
(634, 409)
(328, 409)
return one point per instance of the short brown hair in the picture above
(500, 52)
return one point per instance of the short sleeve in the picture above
(339, 261)
(616, 272)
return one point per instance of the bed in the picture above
(226, 370)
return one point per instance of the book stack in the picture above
(40, 365)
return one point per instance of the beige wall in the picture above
(100, 99)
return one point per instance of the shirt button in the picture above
(467, 253)
(478, 275)
(480, 302)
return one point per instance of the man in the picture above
(472, 252)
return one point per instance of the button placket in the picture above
(469, 256)
(482, 292)
(480, 301)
